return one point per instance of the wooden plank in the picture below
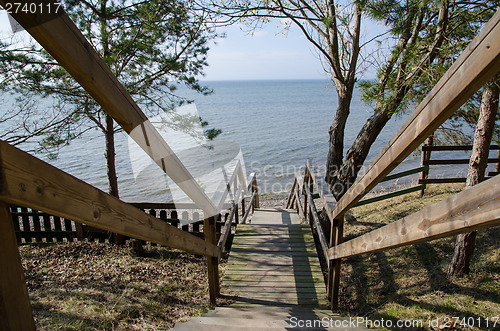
(390, 195)
(291, 196)
(318, 278)
(255, 188)
(455, 161)
(15, 308)
(317, 224)
(166, 205)
(472, 209)
(288, 272)
(222, 191)
(226, 230)
(61, 38)
(36, 184)
(442, 180)
(277, 291)
(212, 262)
(290, 268)
(299, 207)
(405, 173)
(247, 212)
(479, 62)
(454, 148)
(327, 199)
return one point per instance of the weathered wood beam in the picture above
(474, 208)
(429, 148)
(479, 62)
(30, 182)
(212, 262)
(57, 33)
(15, 308)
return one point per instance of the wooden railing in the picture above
(32, 183)
(232, 216)
(34, 226)
(475, 208)
(29, 182)
(427, 161)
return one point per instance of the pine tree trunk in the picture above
(110, 157)
(465, 243)
(111, 167)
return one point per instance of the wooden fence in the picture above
(34, 226)
(428, 161)
(475, 208)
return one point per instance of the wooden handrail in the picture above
(432, 148)
(33, 183)
(250, 181)
(226, 229)
(319, 229)
(291, 196)
(300, 209)
(247, 212)
(472, 209)
(455, 161)
(478, 63)
(219, 197)
(64, 41)
(327, 199)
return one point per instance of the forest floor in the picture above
(92, 286)
(95, 286)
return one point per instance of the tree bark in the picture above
(111, 167)
(346, 172)
(465, 243)
(336, 132)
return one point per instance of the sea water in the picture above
(277, 125)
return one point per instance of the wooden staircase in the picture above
(274, 273)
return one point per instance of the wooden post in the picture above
(212, 262)
(236, 216)
(426, 155)
(255, 189)
(497, 166)
(79, 231)
(336, 238)
(310, 189)
(304, 187)
(15, 308)
(243, 206)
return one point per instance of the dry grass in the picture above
(91, 286)
(410, 283)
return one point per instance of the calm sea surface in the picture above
(277, 124)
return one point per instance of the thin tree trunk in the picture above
(465, 243)
(111, 167)
(348, 170)
(336, 142)
(336, 134)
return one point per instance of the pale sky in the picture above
(267, 54)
